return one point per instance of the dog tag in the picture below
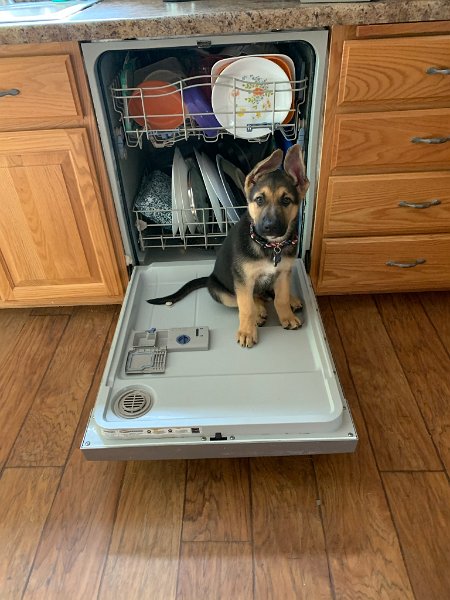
(276, 256)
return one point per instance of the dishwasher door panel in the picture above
(280, 397)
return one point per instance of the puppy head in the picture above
(274, 196)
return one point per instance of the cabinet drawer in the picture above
(360, 265)
(42, 88)
(396, 70)
(388, 204)
(389, 141)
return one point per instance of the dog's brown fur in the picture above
(244, 273)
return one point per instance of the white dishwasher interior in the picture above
(176, 383)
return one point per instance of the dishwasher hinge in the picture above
(129, 265)
(307, 261)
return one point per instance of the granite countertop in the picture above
(129, 19)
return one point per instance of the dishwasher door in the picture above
(176, 384)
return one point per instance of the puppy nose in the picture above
(267, 225)
(271, 226)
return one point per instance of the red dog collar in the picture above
(276, 247)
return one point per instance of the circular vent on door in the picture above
(132, 403)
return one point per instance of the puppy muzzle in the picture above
(271, 226)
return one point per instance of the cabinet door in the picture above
(55, 246)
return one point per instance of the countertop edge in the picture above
(243, 21)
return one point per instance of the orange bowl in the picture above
(281, 63)
(157, 105)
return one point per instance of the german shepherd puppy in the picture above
(255, 260)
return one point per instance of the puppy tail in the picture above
(187, 288)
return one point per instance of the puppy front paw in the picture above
(247, 338)
(261, 316)
(290, 321)
(296, 303)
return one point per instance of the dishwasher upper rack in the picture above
(162, 138)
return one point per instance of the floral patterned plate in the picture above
(251, 96)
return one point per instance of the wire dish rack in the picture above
(194, 117)
(199, 227)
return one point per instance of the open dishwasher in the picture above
(176, 384)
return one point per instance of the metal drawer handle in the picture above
(11, 92)
(438, 140)
(394, 263)
(419, 204)
(436, 71)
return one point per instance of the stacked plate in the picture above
(201, 187)
(251, 95)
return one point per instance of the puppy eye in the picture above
(285, 201)
(259, 200)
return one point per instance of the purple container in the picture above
(201, 111)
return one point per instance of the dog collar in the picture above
(276, 247)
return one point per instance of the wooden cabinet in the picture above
(396, 203)
(40, 87)
(59, 241)
(384, 142)
(382, 220)
(406, 70)
(385, 263)
(52, 231)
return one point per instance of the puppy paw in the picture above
(261, 316)
(247, 338)
(296, 303)
(290, 321)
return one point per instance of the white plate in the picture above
(175, 224)
(225, 167)
(219, 66)
(177, 206)
(218, 187)
(197, 194)
(189, 216)
(211, 193)
(250, 93)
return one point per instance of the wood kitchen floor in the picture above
(371, 525)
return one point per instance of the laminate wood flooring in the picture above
(371, 525)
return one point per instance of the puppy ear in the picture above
(269, 164)
(294, 166)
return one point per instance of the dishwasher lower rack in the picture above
(213, 398)
(198, 228)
